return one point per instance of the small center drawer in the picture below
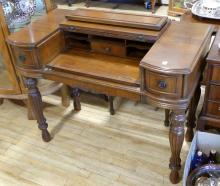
(214, 93)
(213, 108)
(106, 46)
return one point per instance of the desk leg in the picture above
(191, 119)
(167, 118)
(111, 105)
(176, 138)
(1, 101)
(76, 99)
(35, 101)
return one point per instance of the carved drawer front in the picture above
(214, 93)
(216, 74)
(115, 48)
(213, 108)
(163, 83)
(24, 57)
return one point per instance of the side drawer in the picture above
(216, 73)
(214, 93)
(213, 108)
(163, 84)
(114, 48)
(25, 57)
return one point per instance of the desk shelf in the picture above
(99, 66)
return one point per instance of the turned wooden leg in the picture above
(105, 98)
(1, 101)
(176, 138)
(76, 99)
(111, 105)
(191, 119)
(35, 101)
(69, 2)
(65, 94)
(87, 3)
(167, 118)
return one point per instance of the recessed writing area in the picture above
(106, 45)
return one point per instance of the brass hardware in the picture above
(22, 58)
(162, 84)
(72, 28)
(140, 38)
(107, 49)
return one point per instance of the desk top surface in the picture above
(176, 51)
(40, 29)
(178, 48)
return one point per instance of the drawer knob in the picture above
(218, 108)
(107, 49)
(162, 84)
(72, 28)
(140, 37)
(22, 58)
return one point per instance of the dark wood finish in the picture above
(167, 76)
(214, 93)
(69, 2)
(111, 105)
(188, 17)
(210, 115)
(191, 119)
(36, 104)
(1, 101)
(76, 99)
(176, 136)
(167, 118)
(118, 19)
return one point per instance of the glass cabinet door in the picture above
(8, 80)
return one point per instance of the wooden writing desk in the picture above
(141, 58)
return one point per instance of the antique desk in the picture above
(141, 58)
